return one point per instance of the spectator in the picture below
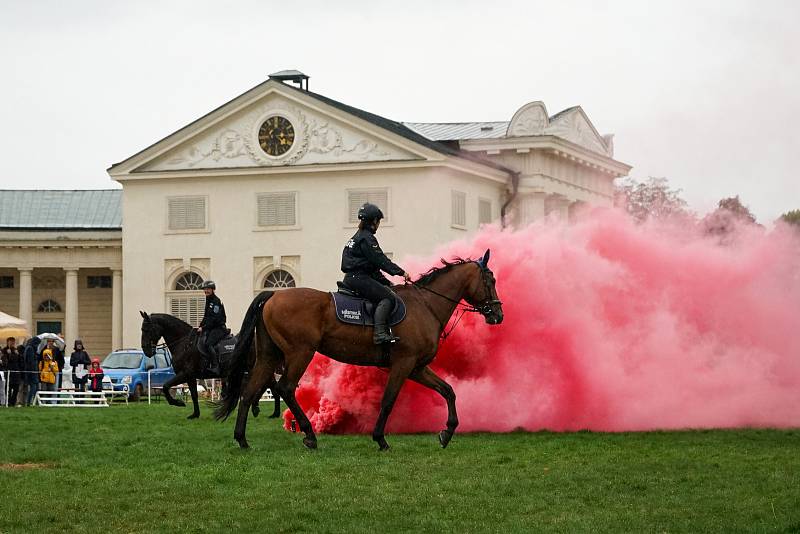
(80, 363)
(13, 364)
(48, 370)
(31, 368)
(58, 357)
(96, 376)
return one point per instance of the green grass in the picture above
(145, 468)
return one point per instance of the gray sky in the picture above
(706, 94)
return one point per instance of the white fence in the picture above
(71, 399)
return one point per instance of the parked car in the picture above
(130, 367)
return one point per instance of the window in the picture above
(49, 306)
(187, 213)
(279, 279)
(484, 211)
(188, 308)
(188, 282)
(357, 197)
(161, 360)
(6, 282)
(459, 209)
(277, 209)
(98, 281)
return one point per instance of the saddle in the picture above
(353, 309)
(224, 347)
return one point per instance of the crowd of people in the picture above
(35, 366)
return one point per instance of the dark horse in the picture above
(186, 359)
(292, 324)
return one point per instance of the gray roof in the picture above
(451, 131)
(99, 209)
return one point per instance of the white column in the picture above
(26, 298)
(71, 310)
(531, 208)
(116, 311)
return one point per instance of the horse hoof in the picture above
(274, 416)
(382, 444)
(193, 416)
(243, 443)
(256, 410)
(179, 403)
(310, 443)
(444, 438)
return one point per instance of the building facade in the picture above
(263, 192)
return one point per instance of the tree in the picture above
(650, 199)
(730, 212)
(791, 217)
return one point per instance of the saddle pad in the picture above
(355, 310)
(226, 344)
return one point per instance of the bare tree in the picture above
(652, 198)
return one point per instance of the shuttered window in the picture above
(484, 211)
(188, 308)
(357, 197)
(277, 209)
(459, 208)
(187, 213)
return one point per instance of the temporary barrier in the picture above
(71, 399)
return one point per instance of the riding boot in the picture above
(383, 333)
(213, 360)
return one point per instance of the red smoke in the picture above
(608, 326)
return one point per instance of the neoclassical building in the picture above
(263, 192)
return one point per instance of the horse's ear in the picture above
(485, 260)
(144, 316)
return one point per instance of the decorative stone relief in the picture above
(228, 145)
(574, 127)
(325, 139)
(530, 119)
(48, 282)
(292, 262)
(175, 266)
(260, 264)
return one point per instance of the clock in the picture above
(276, 135)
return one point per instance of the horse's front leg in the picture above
(179, 378)
(192, 383)
(429, 379)
(397, 375)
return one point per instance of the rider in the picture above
(362, 262)
(213, 323)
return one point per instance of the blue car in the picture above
(130, 367)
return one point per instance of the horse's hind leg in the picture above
(259, 375)
(295, 367)
(276, 412)
(193, 390)
(429, 379)
(397, 375)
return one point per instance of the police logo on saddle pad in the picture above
(355, 310)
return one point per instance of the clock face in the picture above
(276, 135)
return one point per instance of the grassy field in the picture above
(145, 468)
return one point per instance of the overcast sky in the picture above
(706, 94)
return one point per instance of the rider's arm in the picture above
(372, 251)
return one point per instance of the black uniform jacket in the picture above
(214, 315)
(363, 255)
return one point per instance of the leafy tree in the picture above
(652, 198)
(791, 217)
(730, 212)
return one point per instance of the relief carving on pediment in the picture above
(574, 127)
(326, 139)
(531, 120)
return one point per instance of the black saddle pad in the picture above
(226, 345)
(356, 310)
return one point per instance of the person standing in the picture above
(80, 362)
(48, 370)
(96, 376)
(12, 360)
(31, 368)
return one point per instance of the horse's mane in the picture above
(435, 272)
(170, 321)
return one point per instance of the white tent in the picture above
(11, 326)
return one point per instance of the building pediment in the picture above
(234, 136)
(571, 124)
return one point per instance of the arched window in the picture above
(49, 306)
(279, 279)
(188, 282)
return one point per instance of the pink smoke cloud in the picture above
(609, 326)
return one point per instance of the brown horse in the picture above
(292, 324)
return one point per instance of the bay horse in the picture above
(292, 324)
(187, 361)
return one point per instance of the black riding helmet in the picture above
(208, 284)
(370, 212)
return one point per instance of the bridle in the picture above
(484, 307)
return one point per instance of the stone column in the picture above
(26, 298)
(116, 310)
(70, 321)
(531, 208)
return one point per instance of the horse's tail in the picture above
(238, 365)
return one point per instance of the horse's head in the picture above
(482, 294)
(151, 334)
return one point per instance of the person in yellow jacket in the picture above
(48, 370)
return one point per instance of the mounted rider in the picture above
(362, 262)
(212, 327)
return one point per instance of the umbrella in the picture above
(59, 343)
(11, 326)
